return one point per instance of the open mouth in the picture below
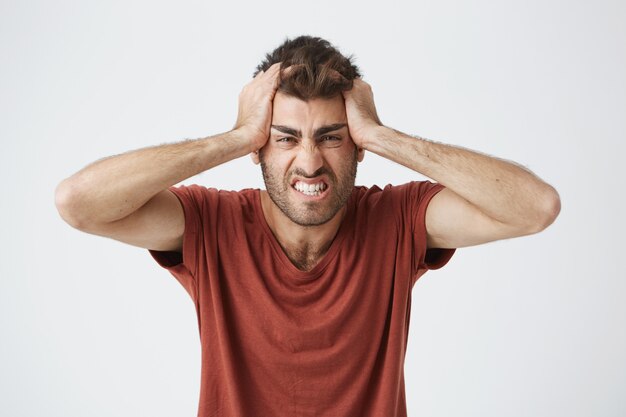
(310, 189)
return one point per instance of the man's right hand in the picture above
(254, 118)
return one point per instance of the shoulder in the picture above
(202, 192)
(408, 192)
(207, 200)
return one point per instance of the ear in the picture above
(255, 157)
(360, 154)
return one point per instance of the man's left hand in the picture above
(363, 121)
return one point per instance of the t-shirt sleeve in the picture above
(184, 266)
(418, 195)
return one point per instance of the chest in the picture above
(303, 259)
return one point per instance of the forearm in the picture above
(114, 187)
(501, 189)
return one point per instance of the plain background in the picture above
(533, 326)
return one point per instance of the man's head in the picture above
(309, 161)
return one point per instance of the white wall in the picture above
(532, 326)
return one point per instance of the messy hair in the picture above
(313, 76)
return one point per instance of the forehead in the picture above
(292, 111)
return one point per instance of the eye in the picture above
(330, 138)
(286, 139)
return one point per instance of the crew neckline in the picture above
(326, 259)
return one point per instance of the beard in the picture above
(310, 213)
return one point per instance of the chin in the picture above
(308, 218)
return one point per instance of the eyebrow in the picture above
(318, 132)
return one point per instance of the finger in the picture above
(291, 68)
(336, 74)
(270, 70)
(272, 73)
(274, 77)
(288, 70)
(274, 68)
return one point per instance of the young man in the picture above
(303, 291)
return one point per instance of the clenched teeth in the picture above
(310, 189)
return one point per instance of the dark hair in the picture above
(313, 76)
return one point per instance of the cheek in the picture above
(275, 165)
(342, 155)
(342, 164)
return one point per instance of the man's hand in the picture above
(363, 122)
(255, 106)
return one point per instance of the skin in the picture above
(304, 226)
(126, 197)
(485, 198)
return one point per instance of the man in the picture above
(303, 291)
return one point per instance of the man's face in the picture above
(309, 161)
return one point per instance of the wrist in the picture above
(252, 141)
(377, 135)
(225, 147)
(241, 138)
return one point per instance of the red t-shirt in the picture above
(278, 341)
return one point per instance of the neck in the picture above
(304, 245)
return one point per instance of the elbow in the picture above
(66, 200)
(549, 209)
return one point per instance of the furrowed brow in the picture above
(318, 132)
(288, 130)
(326, 129)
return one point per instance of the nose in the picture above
(309, 160)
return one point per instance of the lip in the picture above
(305, 197)
(310, 180)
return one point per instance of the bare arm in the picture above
(125, 197)
(485, 199)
